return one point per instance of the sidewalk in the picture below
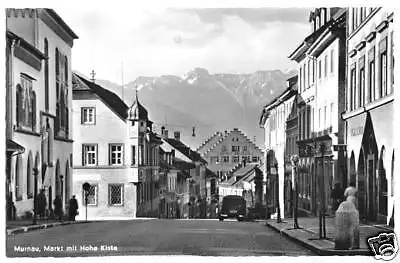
(22, 226)
(308, 235)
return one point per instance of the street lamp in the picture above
(294, 160)
(35, 175)
(322, 228)
(278, 216)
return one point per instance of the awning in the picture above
(14, 147)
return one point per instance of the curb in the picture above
(321, 251)
(25, 229)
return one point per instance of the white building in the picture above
(39, 105)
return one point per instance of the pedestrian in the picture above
(73, 208)
(41, 204)
(58, 207)
(337, 196)
(351, 193)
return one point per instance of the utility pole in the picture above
(322, 228)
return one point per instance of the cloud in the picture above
(173, 41)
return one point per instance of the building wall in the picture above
(234, 138)
(33, 30)
(368, 33)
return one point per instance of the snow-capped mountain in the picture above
(208, 102)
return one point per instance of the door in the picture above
(370, 190)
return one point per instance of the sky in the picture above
(121, 44)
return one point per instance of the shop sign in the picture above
(357, 131)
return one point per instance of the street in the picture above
(154, 237)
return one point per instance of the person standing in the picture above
(41, 204)
(73, 208)
(58, 207)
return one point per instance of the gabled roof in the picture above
(109, 98)
(185, 150)
(246, 169)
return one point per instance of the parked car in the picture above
(233, 206)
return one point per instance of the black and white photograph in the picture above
(212, 129)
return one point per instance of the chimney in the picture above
(177, 135)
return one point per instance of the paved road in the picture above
(154, 237)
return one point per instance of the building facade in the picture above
(121, 166)
(39, 105)
(369, 110)
(321, 64)
(226, 150)
(273, 120)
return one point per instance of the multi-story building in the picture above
(224, 151)
(39, 102)
(121, 166)
(273, 120)
(321, 64)
(192, 203)
(369, 112)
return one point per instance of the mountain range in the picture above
(207, 102)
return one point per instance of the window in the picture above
(304, 77)
(331, 119)
(361, 84)
(62, 115)
(244, 148)
(324, 117)
(46, 74)
(116, 154)
(308, 123)
(382, 87)
(223, 148)
(392, 65)
(115, 194)
(332, 59)
(254, 159)
(319, 69)
(26, 104)
(246, 159)
(225, 159)
(301, 78)
(319, 119)
(89, 154)
(326, 66)
(352, 87)
(235, 148)
(91, 197)
(371, 75)
(29, 171)
(133, 160)
(235, 159)
(88, 115)
(18, 178)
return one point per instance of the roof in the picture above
(185, 150)
(137, 111)
(61, 22)
(245, 170)
(108, 97)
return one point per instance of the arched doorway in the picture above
(29, 175)
(382, 188)
(67, 177)
(361, 185)
(273, 182)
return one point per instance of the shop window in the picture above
(91, 195)
(115, 194)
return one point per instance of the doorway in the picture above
(370, 189)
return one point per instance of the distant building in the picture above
(116, 152)
(369, 112)
(38, 108)
(273, 119)
(195, 202)
(321, 63)
(224, 151)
